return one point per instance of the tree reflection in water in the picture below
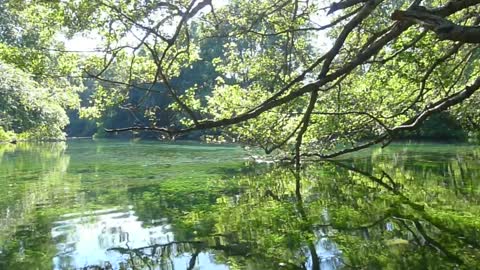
(93, 209)
(333, 216)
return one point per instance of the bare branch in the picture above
(445, 29)
(303, 129)
(344, 4)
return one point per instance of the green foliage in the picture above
(244, 56)
(6, 136)
(191, 65)
(37, 84)
(28, 108)
(441, 127)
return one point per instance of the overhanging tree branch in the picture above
(444, 28)
(329, 71)
(412, 123)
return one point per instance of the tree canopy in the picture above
(36, 84)
(303, 78)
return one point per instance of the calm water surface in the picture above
(122, 205)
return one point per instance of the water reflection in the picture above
(98, 207)
(112, 238)
(329, 256)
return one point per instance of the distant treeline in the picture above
(439, 127)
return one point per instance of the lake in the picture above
(113, 204)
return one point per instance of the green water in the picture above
(122, 205)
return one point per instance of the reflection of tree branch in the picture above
(421, 211)
(377, 180)
(436, 245)
(193, 260)
(270, 193)
(404, 224)
(457, 234)
(357, 228)
(304, 217)
(243, 250)
(429, 240)
(155, 246)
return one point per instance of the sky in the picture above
(89, 42)
(82, 43)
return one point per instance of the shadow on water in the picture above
(102, 206)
